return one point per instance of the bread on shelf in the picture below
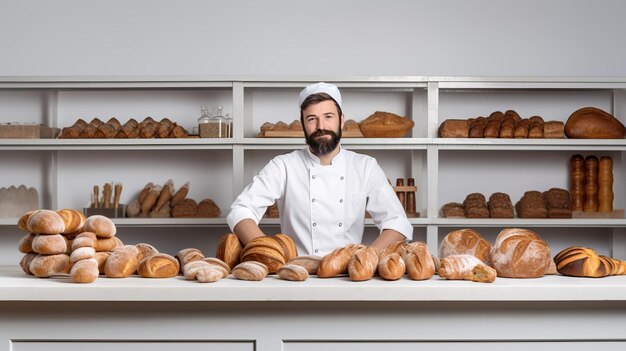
(594, 123)
(113, 129)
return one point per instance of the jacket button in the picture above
(313, 200)
(314, 224)
(313, 176)
(340, 201)
(340, 224)
(316, 250)
(341, 177)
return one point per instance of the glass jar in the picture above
(208, 127)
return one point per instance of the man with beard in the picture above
(323, 190)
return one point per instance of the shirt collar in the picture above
(315, 161)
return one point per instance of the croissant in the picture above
(466, 267)
(579, 261)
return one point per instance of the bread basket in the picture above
(385, 125)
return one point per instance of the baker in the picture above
(323, 190)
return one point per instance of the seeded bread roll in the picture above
(159, 265)
(122, 263)
(44, 266)
(45, 222)
(293, 272)
(85, 271)
(49, 244)
(102, 226)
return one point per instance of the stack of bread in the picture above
(502, 125)
(293, 129)
(554, 203)
(158, 201)
(475, 206)
(272, 251)
(65, 242)
(148, 128)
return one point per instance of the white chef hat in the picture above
(321, 87)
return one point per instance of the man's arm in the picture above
(246, 230)
(385, 239)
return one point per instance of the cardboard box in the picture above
(27, 131)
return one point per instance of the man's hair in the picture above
(314, 99)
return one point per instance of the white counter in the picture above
(15, 285)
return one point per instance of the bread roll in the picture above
(185, 256)
(82, 253)
(229, 249)
(399, 247)
(363, 264)
(26, 243)
(250, 270)
(337, 261)
(122, 263)
(217, 262)
(265, 250)
(454, 128)
(391, 267)
(520, 253)
(49, 244)
(84, 239)
(165, 195)
(22, 223)
(419, 262)
(293, 272)
(105, 244)
(146, 250)
(180, 194)
(553, 130)
(310, 263)
(158, 265)
(144, 192)
(72, 219)
(102, 226)
(25, 262)
(465, 242)
(150, 201)
(45, 222)
(466, 267)
(44, 266)
(85, 271)
(102, 258)
(203, 272)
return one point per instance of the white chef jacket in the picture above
(322, 207)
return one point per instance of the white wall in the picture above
(323, 37)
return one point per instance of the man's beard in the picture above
(323, 146)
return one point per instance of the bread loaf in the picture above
(386, 125)
(466, 267)
(399, 247)
(475, 206)
(363, 264)
(146, 250)
(185, 256)
(500, 206)
(144, 192)
(82, 253)
(337, 261)
(151, 200)
(22, 223)
(293, 272)
(73, 220)
(25, 262)
(45, 222)
(229, 249)
(391, 267)
(207, 208)
(579, 261)
(558, 203)
(593, 123)
(452, 210)
(454, 128)
(419, 262)
(102, 226)
(250, 270)
(84, 239)
(553, 130)
(84, 271)
(265, 250)
(203, 272)
(165, 195)
(520, 253)
(217, 262)
(465, 242)
(158, 265)
(310, 263)
(532, 205)
(44, 266)
(102, 258)
(106, 244)
(49, 244)
(180, 194)
(122, 263)
(522, 128)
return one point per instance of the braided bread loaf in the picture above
(579, 261)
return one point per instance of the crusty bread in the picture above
(102, 258)
(466, 267)
(85, 271)
(82, 253)
(520, 253)
(217, 262)
(26, 243)
(102, 226)
(250, 270)
(266, 250)
(22, 223)
(363, 264)
(391, 266)
(84, 239)
(145, 250)
(45, 222)
(203, 272)
(580, 261)
(454, 128)
(191, 254)
(122, 263)
(465, 241)
(293, 272)
(594, 123)
(72, 219)
(106, 244)
(229, 249)
(49, 244)
(310, 263)
(419, 262)
(25, 262)
(337, 261)
(158, 265)
(44, 266)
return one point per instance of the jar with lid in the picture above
(208, 126)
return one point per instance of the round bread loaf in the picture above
(391, 267)
(25, 262)
(465, 242)
(188, 255)
(158, 265)
(122, 263)
(44, 266)
(84, 239)
(520, 253)
(22, 223)
(49, 244)
(147, 250)
(102, 226)
(250, 270)
(293, 272)
(84, 271)
(363, 264)
(82, 253)
(593, 123)
(310, 263)
(102, 258)
(45, 222)
(106, 244)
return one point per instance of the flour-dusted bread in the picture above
(49, 244)
(465, 242)
(391, 266)
(419, 262)
(73, 220)
(44, 266)
(310, 263)
(85, 271)
(158, 265)
(520, 253)
(102, 226)
(466, 267)
(45, 222)
(250, 270)
(363, 264)
(293, 272)
(122, 263)
(337, 261)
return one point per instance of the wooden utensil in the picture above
(106, 192)
(96, 195)
(116, 196)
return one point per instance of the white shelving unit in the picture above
(444, 169)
